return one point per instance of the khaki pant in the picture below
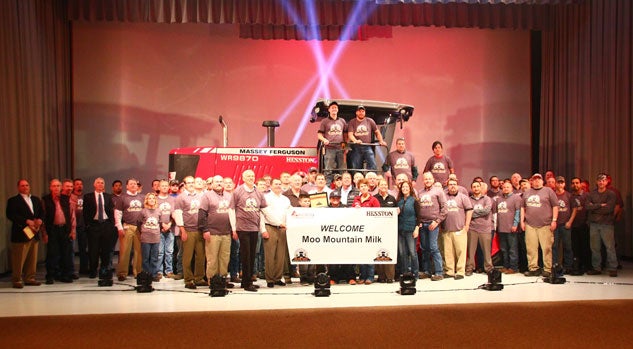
(131, 239)
(535, 236)
(454, 251)
(218, 252)
(194, 243)
(274, 253)
(24, 259)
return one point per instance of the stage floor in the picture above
(85, 297)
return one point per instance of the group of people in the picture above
(197, 229)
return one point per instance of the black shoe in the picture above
(190, 285)
(229, 285)
(458, 277)
(546, 274)
(66, 279)
(280, 283)
(75, 277)
(92, 275)
(270, 284)
(251, 288)
(235, 279)
(50, 281)
(593, 272)
(536, 272)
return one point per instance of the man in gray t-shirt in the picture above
(247, 221)
(459, 211)
(331, 133)
(539, 212)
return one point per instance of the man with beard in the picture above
(459, 211)
(540, 213)
(214, 222)
(432, 213)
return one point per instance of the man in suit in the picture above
(59, 221)
(98, 215)
(24, 210)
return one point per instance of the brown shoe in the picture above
(510, 271)
(178, 277)
(18, 285)
(170, 275)
(201, 283)
(352, 282)
(190, 285)
(367, 282)
(121, 278)
(32, 283)
(613, 273)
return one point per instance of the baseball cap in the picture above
(360, 107)
(601, 176)
(337, 176)
(313, 169)
(332, 103)
(560, 179)
(536, 175)
(173, 182)
(335, 194)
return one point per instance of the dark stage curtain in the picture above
(291, 19)
(587, 89)
(35, 107)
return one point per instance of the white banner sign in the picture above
(342, 235)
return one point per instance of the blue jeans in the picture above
(568, 255)
(428, 243)
(508, 243)
(366, 272)
(150, 258)
(362, 153)
(602, 233)
(166, 252)
(234, 261)
(407, 255)
(333, 159)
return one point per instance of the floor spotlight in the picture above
(218, 286)
(555, 276)
(144, 282)
(322, 285)
(407, 284)
(494, 281)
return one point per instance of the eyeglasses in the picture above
(188, 182)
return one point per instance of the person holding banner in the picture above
(340, 272)
(365, 200)
(408, 226)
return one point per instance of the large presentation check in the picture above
(342, 235)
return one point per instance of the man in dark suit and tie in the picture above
(24, 210)
(99, 219)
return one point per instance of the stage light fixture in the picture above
(494, 281)
(555, 276)
(105, 279)
(144, 282)
(218, 286)
(322, 285)
(407, 284)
